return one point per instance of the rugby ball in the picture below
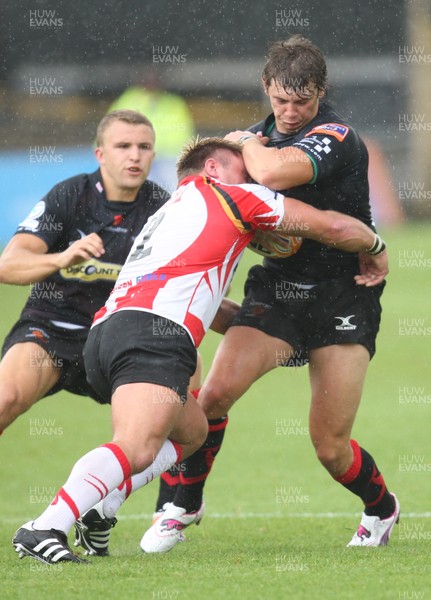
(274, 244)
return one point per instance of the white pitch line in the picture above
(277, 515)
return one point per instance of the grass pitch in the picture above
(276, 524)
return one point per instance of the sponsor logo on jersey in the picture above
(38, 333)
(151, 277)
(117, 220)
(345, 324)
(309, 146)
(124, 284)
(322, 145)
(335, 129)
(92, 270)
(257, 309)
(117, 229)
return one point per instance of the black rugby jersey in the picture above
(73, 209)
(340, 182)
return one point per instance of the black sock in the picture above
(365, 480)
(197, 467)
(169, 482)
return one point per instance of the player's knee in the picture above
(142, 457)
(332, 454)
(215, 399)
(327, 456)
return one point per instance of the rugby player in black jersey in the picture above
(312, 307)
(70, 248)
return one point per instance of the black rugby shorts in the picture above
(134, 346)
(64, 348)
(336, 311)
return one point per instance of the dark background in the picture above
(100, 48)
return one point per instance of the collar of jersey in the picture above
(190, 178)
(96, 178)
(269, 123)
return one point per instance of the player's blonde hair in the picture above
(194, 155)
(133, 117)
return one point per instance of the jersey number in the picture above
(149, 228)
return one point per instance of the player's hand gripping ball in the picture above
(274, 244)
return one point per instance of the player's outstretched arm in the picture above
(25, 259)
(326, 226)
(339, 230)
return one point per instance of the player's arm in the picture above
(276, 168)
(26, 259)
(341, 231)
(225, 315)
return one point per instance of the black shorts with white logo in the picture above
(134, 346)
(63, 348)
(337, 311)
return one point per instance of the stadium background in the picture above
(276, 526)
(87, 53)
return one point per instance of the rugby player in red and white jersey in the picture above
(141, 350)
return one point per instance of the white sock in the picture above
(169, 454)
(91, 479)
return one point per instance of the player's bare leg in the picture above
(144, 415)
(244, 355)
(92, 530)
(337, 375)
(27, 373)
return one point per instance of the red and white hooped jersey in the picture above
(183, 260)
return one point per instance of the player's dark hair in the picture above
(127, 116)
(194, 155)
(295, 64)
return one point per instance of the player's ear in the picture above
(211, 167)
(98, 153)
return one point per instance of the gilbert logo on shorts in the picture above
(345, 324)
